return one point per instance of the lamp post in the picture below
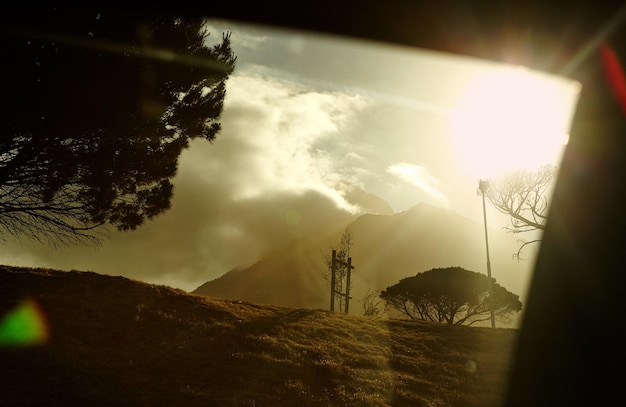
(483, 186)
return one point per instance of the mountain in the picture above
(367, 202)
(386, 248)
(289, 277)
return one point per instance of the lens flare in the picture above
(24, 325)
(614, 74)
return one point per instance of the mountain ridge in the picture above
(386, 248)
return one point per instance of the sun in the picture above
(511, 118)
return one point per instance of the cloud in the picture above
(418, 176)
(243, 39)
(268, 178)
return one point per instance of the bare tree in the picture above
(523, 195)
(371, 303)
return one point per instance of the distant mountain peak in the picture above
(367, 202)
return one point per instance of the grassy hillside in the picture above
(115, 341)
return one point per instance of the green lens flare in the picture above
(293, 217)
(24, 325)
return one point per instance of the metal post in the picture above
(333, 266)
(484, 186)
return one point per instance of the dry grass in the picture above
(123, 342)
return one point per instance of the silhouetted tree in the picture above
(97, 110)
(450, 295)
(523, 195)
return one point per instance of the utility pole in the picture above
(333, 267)
(333, 280)
(483, 186)
(348, 284)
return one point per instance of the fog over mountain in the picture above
(386, 248)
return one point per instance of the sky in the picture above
(304, 115)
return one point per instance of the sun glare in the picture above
(419, 177)
(511, 118)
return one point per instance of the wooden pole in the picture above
(348, 284)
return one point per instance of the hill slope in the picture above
(115, 341)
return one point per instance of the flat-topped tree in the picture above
(451, 295)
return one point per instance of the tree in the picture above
(98, 110)
(371, 304)
(341, 270)
(523, 196)
(450, 295)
